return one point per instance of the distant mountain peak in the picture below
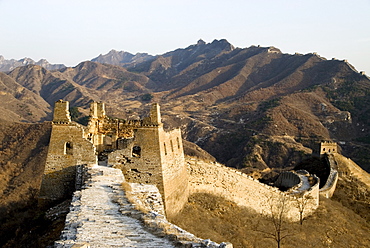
(8, 65)
(114, 57)
(223, 43)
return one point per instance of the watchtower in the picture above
(67, 149)
(148, 154)
(326, 147)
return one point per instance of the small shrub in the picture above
(146, 97)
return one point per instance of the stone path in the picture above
(96, 218)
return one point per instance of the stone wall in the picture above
(61, 112)
(235, 186)
(331, 183)
(142, 150)
(175, 174)
(152, 156)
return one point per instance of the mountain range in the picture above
(251, 108)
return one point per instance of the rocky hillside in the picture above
(23, 155)
(251, 108)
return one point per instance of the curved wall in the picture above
(214, 178)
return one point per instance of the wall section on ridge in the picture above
(245, 191)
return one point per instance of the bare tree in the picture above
(278, 208)
(302, 202)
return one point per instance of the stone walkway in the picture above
(96, 218)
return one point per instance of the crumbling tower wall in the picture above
(97, 116)
(67, 149)
(154, 156)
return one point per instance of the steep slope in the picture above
(51, 86)
(104, 78)
(21, 103)
(212, 217)
(23, 150)
(23, 154)
(88, 81)
(162, 69)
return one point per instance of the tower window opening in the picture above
(165, 149)
(68, 148)
(136, 151)
(171, 145)
(178, 143)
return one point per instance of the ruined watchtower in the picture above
(67, 149)
(144, 152)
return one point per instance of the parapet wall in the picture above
(245, 191)
(331, 183)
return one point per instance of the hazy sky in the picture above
(71, 31)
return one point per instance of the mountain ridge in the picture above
(219, 94)
(121, 58)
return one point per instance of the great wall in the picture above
(158, 178)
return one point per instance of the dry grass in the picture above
(22, 158)
(213, 217)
